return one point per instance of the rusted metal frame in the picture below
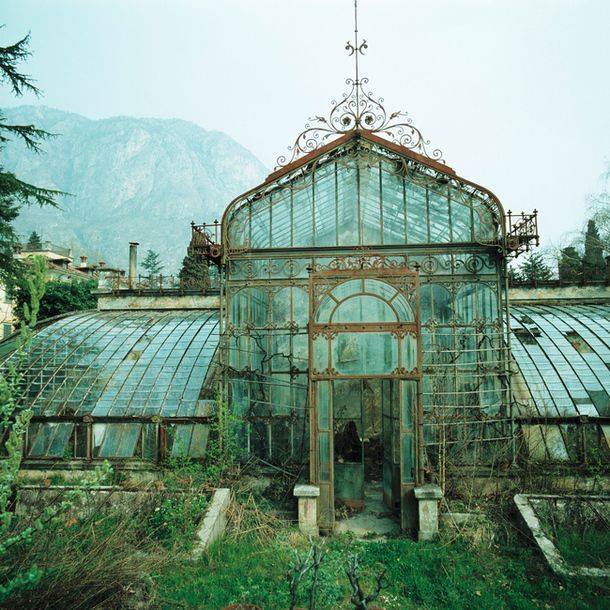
(387, 249)
(375, 273)
(364, 327)
(336, 202)
(562, 419)
(116, 419)
(449, 213)
(317, 328)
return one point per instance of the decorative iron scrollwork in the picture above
(359, 110)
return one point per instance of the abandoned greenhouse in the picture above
(362, 328)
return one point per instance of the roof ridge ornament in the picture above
(359, 110)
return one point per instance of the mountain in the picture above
(130, 179)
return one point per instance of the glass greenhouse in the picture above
(122, 384)
(366, 319)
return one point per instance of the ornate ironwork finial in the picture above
(359, 110)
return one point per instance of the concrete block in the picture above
(214, 522)
(427, 500)
(308, 508)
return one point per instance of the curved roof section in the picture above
(287, 175)
(563, 354)
(121, 363)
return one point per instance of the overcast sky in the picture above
(516, 93)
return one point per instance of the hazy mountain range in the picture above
(130, 179)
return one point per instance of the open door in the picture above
(364, 328)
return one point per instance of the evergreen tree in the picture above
(534, 269)
(59, 297)
(513, 275)
(570, 265)
(15, 193)
(152, 263)
(593, 264)
(195, 272)
(35, 241)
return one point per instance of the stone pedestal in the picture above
(427, 500)
(308, 508)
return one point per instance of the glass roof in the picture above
(122, 363)
(563, 354)
(362, 195)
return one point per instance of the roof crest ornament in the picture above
(358, 110)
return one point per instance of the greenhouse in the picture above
(123, 385)
(365, 306)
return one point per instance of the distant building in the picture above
(60, 266)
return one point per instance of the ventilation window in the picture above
(527, 335)
(577, 342)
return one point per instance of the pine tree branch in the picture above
(30, 134)
(14, 190)
(10, 57)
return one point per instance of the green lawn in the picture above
(443, 574)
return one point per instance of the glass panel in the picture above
(261, 219)
(323, 405)
(199, 440)
(460, 220)
(348, 206)
(370, 204)
(325, 207)
(365, 353)
(303, 216)
(465, 303)
(407, 458)
(320, 353)
(409, 352)
(487, 303)
(363, 309)
(324, 456)
(281, 219)
(435, 304)
(417, 223)
(394, 206)
(280, 307)
(409, 402)
(438, 210)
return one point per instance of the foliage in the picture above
(194, 272)
(221, 455)
(593, 264)
(534, 269)
(590, 547)
(152, 263)
(175, 519)
(599, 210)
(442, 574)
(570, 265)
(35, 241)
(60, 297)
(15, 193)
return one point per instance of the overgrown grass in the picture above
(97, 556)
(443, 574)
(588, 548)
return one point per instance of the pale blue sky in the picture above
(515, 92)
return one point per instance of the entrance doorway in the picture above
(365, 370)
(364, 469)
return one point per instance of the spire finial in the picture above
(356, 49)
(359, 110)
